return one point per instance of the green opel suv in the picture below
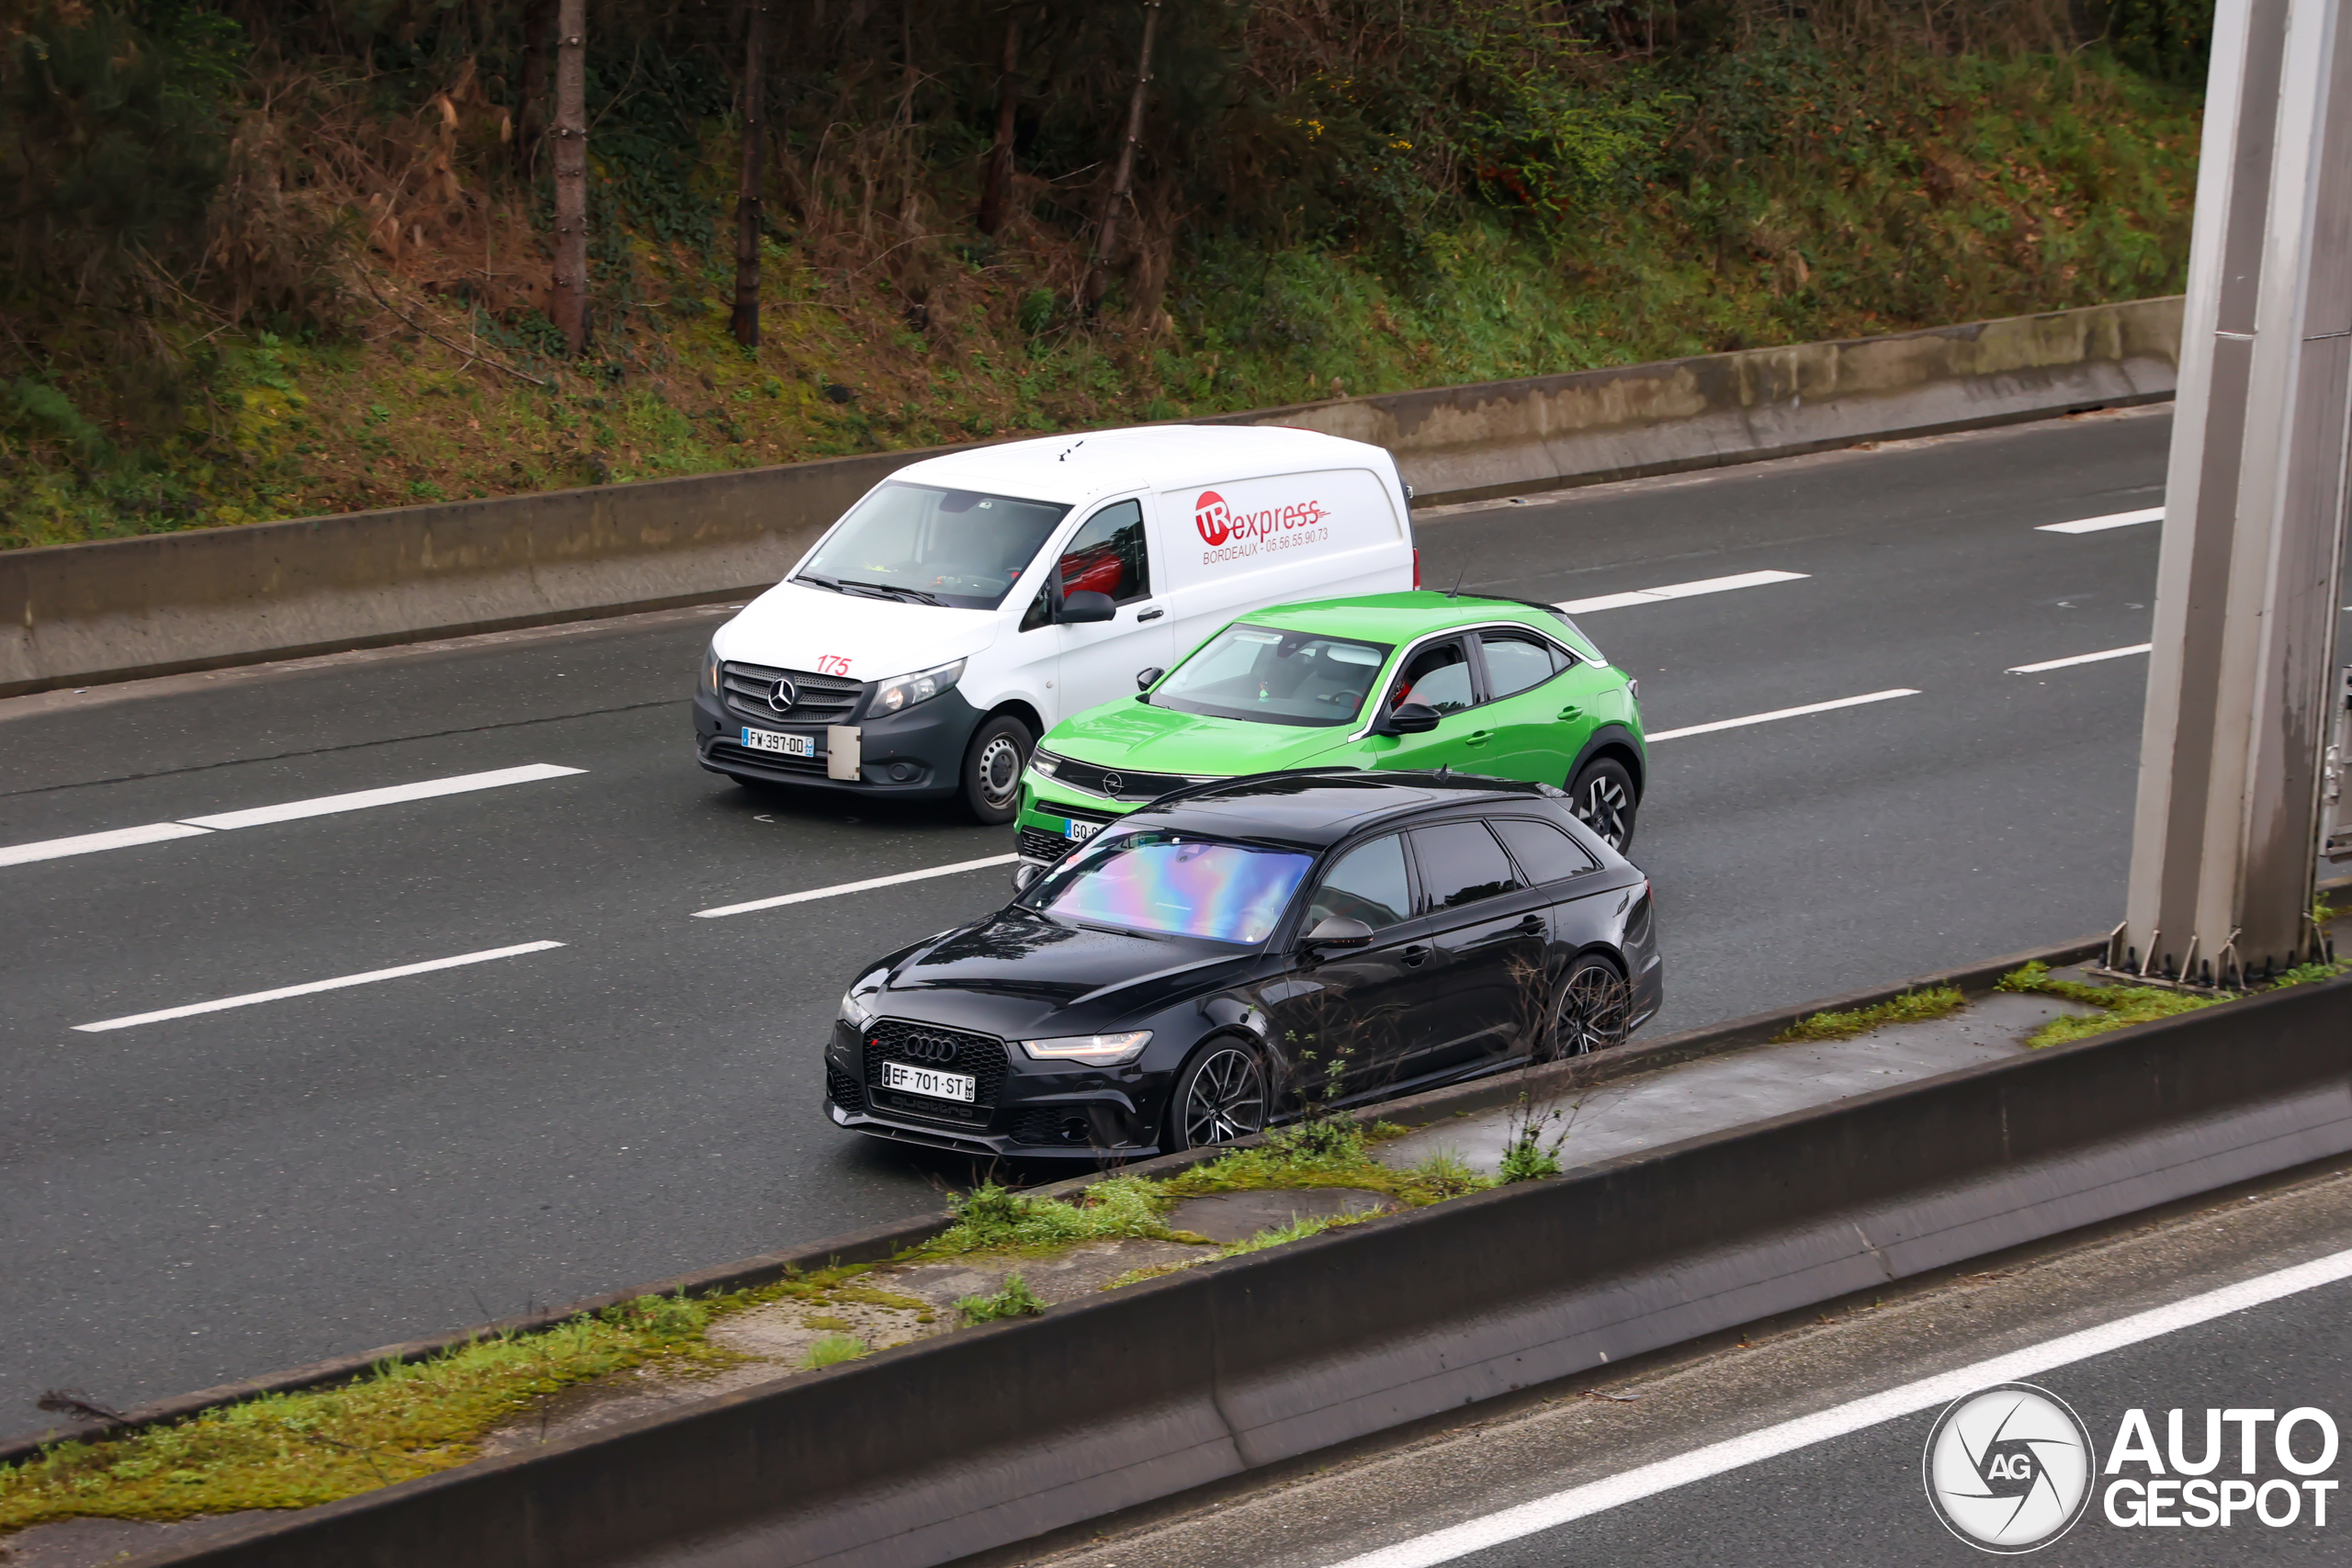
(1422, 680)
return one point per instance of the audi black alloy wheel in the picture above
(1591, 1010)
(1220, 1097)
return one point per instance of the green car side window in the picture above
(1437, 676)
(1368, 885)
(1516, 662)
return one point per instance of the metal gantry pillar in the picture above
(2243, 683)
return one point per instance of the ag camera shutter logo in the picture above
(2008, 1470)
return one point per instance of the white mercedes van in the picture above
(969, 602)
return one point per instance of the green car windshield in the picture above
(1275, 677)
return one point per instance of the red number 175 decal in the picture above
(832, 664)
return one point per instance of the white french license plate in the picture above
(777, 741)
(925, 1080)
(1077, 831)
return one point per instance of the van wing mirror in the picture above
(1085, 605)
(1338, 930)
(1412, 719)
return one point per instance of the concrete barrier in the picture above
(922, 1454)
(73, 614)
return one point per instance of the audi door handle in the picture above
(1143, 615)
(1414, 955)
(1532, 924)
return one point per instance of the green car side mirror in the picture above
(1412, 719)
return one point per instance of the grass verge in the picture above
(402, 1421)
(1911, 1006)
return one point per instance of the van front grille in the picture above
(752, 691)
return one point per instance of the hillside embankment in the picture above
(279, 262)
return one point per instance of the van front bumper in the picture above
(914, 755)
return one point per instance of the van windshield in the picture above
(929, 545)
(1275, 677)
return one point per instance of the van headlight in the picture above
(896, 696)
(710, 670)
(1094, 1050)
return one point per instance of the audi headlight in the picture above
(855, 1012)
(1094, 1050)
(710, 670)
(896, 696)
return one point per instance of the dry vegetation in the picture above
(279, 261)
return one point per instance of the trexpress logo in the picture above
(2008, 1470)
(1220, 525)
(1213, 518)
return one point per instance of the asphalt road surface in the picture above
(1822, 1476)
(215, 1194)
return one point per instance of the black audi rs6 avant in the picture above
(1183, 978)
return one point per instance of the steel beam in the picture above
(2242, 681)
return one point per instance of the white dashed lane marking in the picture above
(1680, 590)
(309, 986)
(292, 810)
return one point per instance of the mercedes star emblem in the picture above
(783, 695)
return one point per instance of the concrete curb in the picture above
(929, 1452)
(881, 1242)
(162, 604)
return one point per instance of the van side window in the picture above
(1108, 556)
(1040, 611)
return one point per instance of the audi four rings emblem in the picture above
(783, 695)
(929, 1048)
(1113, 784)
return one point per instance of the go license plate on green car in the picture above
(1077, 831)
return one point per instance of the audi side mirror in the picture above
(1144, 678)
(1086, 605)
(1026, 875)
(1337, 931)
(1412, 719)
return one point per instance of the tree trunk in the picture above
(539, 37)
(996, 185)
(748, 226)
(1106, 226)
(568, 306)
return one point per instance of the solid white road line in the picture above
(89, 843)
(2080, 659)
(361, 800)
(2097, 525)
(306, 989)
(834, 892)
(1648, 1481)
(1781, 713)
(318, 806)
(1680, 590)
